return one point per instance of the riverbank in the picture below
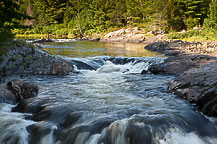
(196, 74)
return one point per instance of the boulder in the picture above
(17, 90)
(177, 47)
(32, 60)
(176, 65)
(43, 40)
(198, 86)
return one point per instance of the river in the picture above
(106, 101)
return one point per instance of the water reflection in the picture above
(89, 49)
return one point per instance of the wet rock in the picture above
(6, 95)
(32, 60)
(61, 68)
(17, 90)
(95, 39)
(43, 40)
(158, 46)
(172, 52)
(40, 132)
(199, 86)
(176, 65)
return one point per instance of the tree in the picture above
(9, 18)
(175, 15)
(211, 21)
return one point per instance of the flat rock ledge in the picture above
(198, 86)
(133, 35)
(20, 59)
(177, 65)
(196, 74)
(17, 90)
(178, 47)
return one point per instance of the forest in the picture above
(86, 17)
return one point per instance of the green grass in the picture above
(39, 36)
(195, 35)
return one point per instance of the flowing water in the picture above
(106, 101)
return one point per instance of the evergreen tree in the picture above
(211, 21)
(9, 18)
(87, 16)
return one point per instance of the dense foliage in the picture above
(10, 18)
(84, 17)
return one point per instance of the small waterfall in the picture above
(93, 139)
(179, 137)
(131, 67)
(49, 139)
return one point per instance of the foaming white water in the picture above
(109, 67)
(48, 139)
(118, 131)
(113, 93)
(13, 126)
(82, 138)
(173, 136)
(176, 136)
(93, 139)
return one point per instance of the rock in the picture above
(196, 79)
(157, 46)
(26, 60)
(176, 65)
(6, 95)
(43, 40)
(199, 87)
(125, 35)
(172, 52)
(95, 39)
(150, 32)
(17, 90)
(179, 47)
(61, 68)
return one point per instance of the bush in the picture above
(191, 22)
(182, 35)
(205, 34)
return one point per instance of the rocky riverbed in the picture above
(196, 74)
(106, 99)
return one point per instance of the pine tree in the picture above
(9, 18)
(211, 21)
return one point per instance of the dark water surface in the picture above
(107, 101)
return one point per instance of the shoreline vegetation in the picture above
(85, 19)
(193, 35)
(196, 43)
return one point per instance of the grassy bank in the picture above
(195, 35)
(39, 36)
